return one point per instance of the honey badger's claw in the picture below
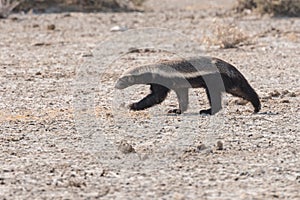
(175, 111)
(205, 112)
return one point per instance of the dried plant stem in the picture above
(6, 7)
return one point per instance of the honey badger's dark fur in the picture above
(179, 75)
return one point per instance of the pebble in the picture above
(201, 147)
(125, 147)
(292, 94)
(275, 93)
(241, 102)
(118, 29)
(285, 101)
(51, 27)
(220, 145)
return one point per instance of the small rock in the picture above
(133, 50)
(41, 44)
(266, 97)
(178, 196)
(241, 102)
(201, 147)
(144, 156)
(219, 145)
(87, 55)
(244, 173)
(2, 181)
(52, 170)
(275, 93)
(292, 94)
(285, 92)
(126, 148)
(109, 115)
(118, 28)
(285, 101)
(67, 15)
(14, 18)
(51, 27)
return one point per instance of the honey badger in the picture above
(213, 74)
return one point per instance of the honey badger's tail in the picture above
(236, 84)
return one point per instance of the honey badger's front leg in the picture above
(158, 94)
(215, 101)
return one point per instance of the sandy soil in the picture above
(56, 145)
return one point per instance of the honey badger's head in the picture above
(125, 81)
(128, 80)
(137, 75)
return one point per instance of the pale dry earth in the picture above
(48, 151)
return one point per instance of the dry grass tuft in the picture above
(275, 7)
(229, 36)
(226, 36)
(6, 7)
(80, 5)
(138, 2)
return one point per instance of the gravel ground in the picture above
(53, 142)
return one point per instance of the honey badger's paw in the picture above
(175, 111)
(205, 112)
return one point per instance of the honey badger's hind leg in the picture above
(158, 94)
(183, 100)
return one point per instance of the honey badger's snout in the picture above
(124, 82)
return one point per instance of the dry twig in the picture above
(6, 7)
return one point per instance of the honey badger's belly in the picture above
(181, 75)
